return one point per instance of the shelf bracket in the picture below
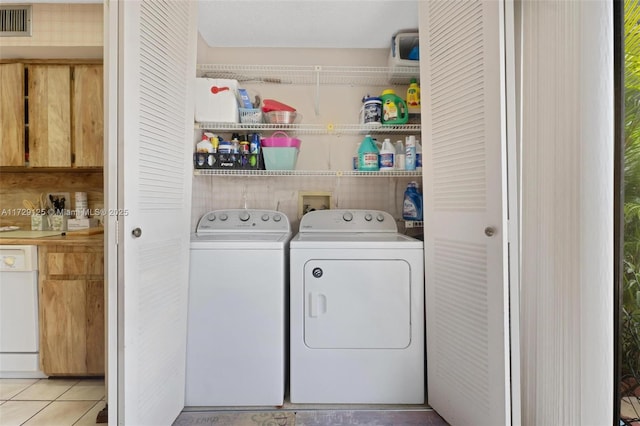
(318, 69)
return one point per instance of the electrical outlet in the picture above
(310, 201)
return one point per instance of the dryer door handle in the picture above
(317, 304)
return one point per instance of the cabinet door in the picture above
(12, 115)
(49, 115)
(88, 128)
(72, 327)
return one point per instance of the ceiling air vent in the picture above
(15, 21)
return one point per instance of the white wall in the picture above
(567, 213)
(59, 31)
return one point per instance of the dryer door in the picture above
(357, 303)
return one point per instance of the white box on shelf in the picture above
(405, 45)
(216, 101)
(405, 48)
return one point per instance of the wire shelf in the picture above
(335, 173)
(310, 129)
(311, 74)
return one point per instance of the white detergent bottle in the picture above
(399, 157)
(387, 153)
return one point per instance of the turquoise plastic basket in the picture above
(280, 158)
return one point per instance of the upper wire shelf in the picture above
(311, 74)
(310, 129)
(335, 173)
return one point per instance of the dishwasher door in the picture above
(19, 312)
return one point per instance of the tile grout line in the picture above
(73, 386)
(51, 402)
(36, 382)
(57, 399)
(13, 396)
(36, 413)
(90, 408)
(70, 387)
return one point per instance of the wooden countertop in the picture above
(70, 238)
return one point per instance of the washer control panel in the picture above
(348, 221)
(243, 219)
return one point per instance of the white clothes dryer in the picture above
(357, 310)
(237, 318)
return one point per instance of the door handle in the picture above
(489, 231)
(137, 232)
(317, 304)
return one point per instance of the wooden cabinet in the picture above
(12, 114)
(88, 127)
(65, 115)
(72, 310)
(49, 100)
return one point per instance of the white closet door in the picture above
(466, 257)
(157, 57)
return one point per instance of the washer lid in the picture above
(240, 237)
(360, 240)
(241, 241)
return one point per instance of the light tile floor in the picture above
(48, 402)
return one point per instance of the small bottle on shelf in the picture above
(400, 156)
(410, 153)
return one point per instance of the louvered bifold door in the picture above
(157, 59)
(464, 147)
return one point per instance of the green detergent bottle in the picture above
(394, 108)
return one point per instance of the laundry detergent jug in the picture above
(412, 204)
(394, 108)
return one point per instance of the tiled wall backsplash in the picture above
(281, 193)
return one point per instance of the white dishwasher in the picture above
(19, 312)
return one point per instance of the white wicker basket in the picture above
(250, 115)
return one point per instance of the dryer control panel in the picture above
(243, 219)
(348, 221)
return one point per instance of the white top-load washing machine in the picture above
(236, 346)
(357, 310)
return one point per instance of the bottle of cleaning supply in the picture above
(412, 204)
(387, 153)
(418, 156)
(399, 158)
(394, 108)
(368, 155)
(410, 153)
(413, 94)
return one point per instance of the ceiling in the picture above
(305, 23)
(365, 24)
